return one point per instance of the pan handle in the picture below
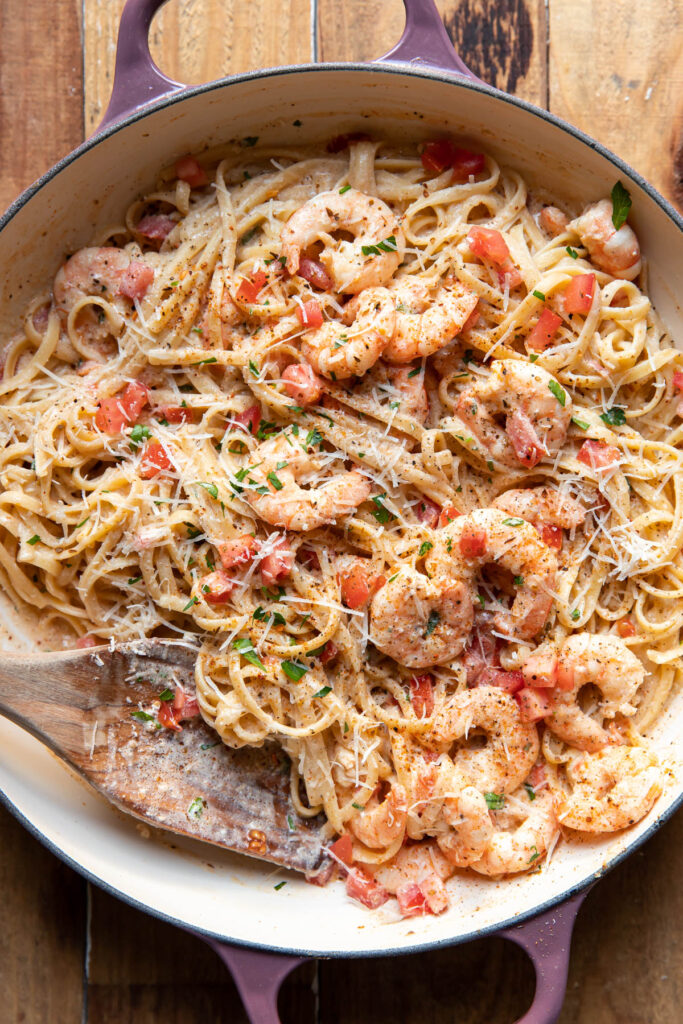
(546, 939)
(426, 42)
(137, 79)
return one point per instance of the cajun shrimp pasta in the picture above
(396, 442)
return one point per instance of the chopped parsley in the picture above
(533, 358)
(279, 886)
(290, 823)
(167, 694)
(539, 295)
(137, 435)
(425, 547)
(203, 362)
(142, 716)
(381, 514)
(615, 416)
(273, 478)
(432, 622)
(511, 521)
(82, 523)
(245, 647)
(192, 531)
(494, 801)
(294, 670)
(193, 600)
(518, 581)
(576, 615)
(388, 245)
(133, 580)
(572, 252)
(621, 204)
(196, 809)
(323, 692)
(414, 373)
(559, 393)
(272, 618)
(211, 488)
(529, 790)
(534, 856)
(343, 189)
(254, 369)
(34, 539)
(581, 424)
(313, 437)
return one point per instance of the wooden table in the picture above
(68, 952)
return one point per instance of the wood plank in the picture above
(42, 931)
(38, 124)
(196, 41)
(503, 43)
(146, 971)
(617, 73)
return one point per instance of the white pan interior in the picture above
(197, 885)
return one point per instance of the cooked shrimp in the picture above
(541, 505)
(488, 536)
(426, 324)
(617, 252)
(553, 220)
(102, 273)
(282, 467)
(348, 349)
(471, 827)
(536, 421)
(612, 789)
(421, 622)
(381, 823)
(371, 222)
(413, 864)
(402, 386)
(612, 667)
(511, 746)
(508, 852)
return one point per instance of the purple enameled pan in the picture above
(419, 89)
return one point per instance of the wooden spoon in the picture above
(96, 709)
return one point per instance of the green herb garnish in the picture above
(494, 801)
(513, 522)
(273, 478)
(211, 488)
(615, 416)
(137, 435)
(246, 649)
(294, 670)
(167, 694)
(529, 790)
(432, 622)
(572, 252)
(559, 393)
(142, 716)
(343, 189)
(621, 204)
(323, 692)
(388, 245)
(539, 295)
(425, 547)
(196, 809)
(133, 580)
(581, 424)
(34, 539)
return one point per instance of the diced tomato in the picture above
(135, 281)
(437, 156)
(302, 383)
(540, 670)
(155, 226)
(250, 419)
(190, 170)
(428, 512)
(422, 695)
(239, 551)
(511, 682)
(529, 449)
(551, 535)
(86, 641)
(184, 706)
(533, 704)
(216, 587)
(543, 333)
(448, 514)
(472, 319)
(482, 652)
(358, 585)
(342, 849)
(174, 413)
(167, 718)
(278, 564)
(309, 558)
(329, 651)
(435, 893)
(340, 142)
(626, 627)
(411, 900)
(362, 887)
(310, 315)
(598, 455)
(123, 409)
(488, 244)
(315, 273)
(473, 542)
(250, 287)
(578, 295)
(678, 380)
(154, 459)
(537, 775)
(466, 162)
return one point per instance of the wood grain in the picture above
(196, 41)
(617, 72)
(40, 89)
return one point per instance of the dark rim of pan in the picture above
(449, 79)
